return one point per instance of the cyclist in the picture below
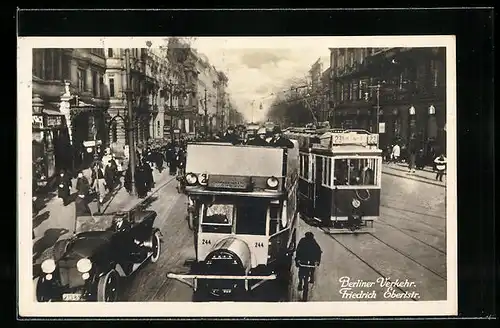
(308, 251)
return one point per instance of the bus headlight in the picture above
(191, 178)
(356, 203)
(48, 266)
(84, 265)
(272, 182)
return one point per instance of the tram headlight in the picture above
(355, 203)
(272, 182)
(48, 266)
(191, 178)
(83, 265)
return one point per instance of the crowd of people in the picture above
(415, 157)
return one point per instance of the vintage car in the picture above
(103, 249)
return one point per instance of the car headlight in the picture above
(48, 266)
(272, 182)
(84, 265)
(191, 179)
(356, 203)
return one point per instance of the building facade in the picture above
(148, 91)
(208, 95)
(68, 107)
(406, 85)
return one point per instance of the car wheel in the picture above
(107, 287)
(156, 247)
(41, 291)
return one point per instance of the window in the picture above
(252, 216)
(217, 217)
(38, 63)
(362, 172)
(275, 225)
(110, 53)
(95, 84)
(82, 78)
(304, 166)
(111, 87)
(101, 86)
(114, 132)
(327, 171)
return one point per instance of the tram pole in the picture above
(205, 118)
(130, 114)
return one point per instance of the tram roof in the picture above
(346, 150)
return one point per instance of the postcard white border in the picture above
(27, 307)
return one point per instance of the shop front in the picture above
(51, 148)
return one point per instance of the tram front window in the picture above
(358, 171)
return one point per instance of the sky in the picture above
(257, 68)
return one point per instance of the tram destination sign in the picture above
(348, 139)
(229, 182)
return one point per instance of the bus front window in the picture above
(218, 218)
(251, 218)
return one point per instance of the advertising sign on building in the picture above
(381, 127)
(54, 121)
(37, 121)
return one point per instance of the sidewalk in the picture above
(401, 170)
(56, 221)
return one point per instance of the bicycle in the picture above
(305, 280)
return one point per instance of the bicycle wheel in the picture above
(305, 292)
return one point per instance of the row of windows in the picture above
(341, 171)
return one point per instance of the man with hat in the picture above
(231, 136)
(308, 252)
(260, 139)
(279, 140)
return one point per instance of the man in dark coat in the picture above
(308, 251)
(141, 180)
(173, 161)
(279, 140)
(81, 202)
(64, 186)
(260, 139)
(231, 136)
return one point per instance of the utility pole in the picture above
(171, 111)
(205, 118)
(131, 141)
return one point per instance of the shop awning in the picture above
(52, 112)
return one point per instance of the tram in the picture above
(243, 213)
(339, 178)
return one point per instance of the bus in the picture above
(339, 178)
(243, 213)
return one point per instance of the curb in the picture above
(414, 178)
(139, 201)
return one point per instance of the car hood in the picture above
(87, 244)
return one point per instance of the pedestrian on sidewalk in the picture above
(141, 179)
(412, 151)
(440, 167)
(396, 152)
(99, 183)
(64, 187)
(81, 203)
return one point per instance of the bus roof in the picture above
(226, 159)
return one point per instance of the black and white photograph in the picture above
(238, 176)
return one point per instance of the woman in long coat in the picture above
(64, 187)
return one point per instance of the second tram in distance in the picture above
(339, 178)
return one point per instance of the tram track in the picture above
(408, 257)
(404, 217)
(411, 236)
(378, 272)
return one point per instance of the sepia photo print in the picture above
(306, 176)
